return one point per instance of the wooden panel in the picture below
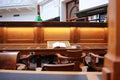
(40, 34)
(56, 34)
(112, 58)
(106, 35)
(8, 60)
(89, 35)
(1, 34)
(18, 34)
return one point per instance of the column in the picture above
(112, 59)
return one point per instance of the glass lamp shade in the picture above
(39, 18)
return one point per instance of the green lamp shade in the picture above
(39, 18)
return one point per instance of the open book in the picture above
(58, 44)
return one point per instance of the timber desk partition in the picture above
(41, 32)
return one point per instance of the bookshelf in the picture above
(97, 17)
(96, 14)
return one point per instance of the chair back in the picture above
(74, 53)
(24, 58)
(97, 60)
(8, 60)
(72, 56)
(59, 67)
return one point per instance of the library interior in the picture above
(59, 39)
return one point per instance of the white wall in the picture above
(49, 9)
(24, 15)
(26, 9)
(53, 8)
(63, 9)
(86, 4)
(10, 3)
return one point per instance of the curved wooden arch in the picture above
(75, 6)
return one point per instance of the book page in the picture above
(62, 44)
(58, 44)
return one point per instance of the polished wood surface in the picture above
(44, 34)
(72, 56)
(112, 59)
(44, 50)
(41, 32)
(8, 60)
(58, 67)
(51, 24)
(45, 75)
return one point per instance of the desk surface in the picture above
(48, 75)
(44, 50)
(35, 48)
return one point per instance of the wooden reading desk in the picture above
(39, 50)
(44, 50)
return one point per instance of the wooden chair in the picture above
(97, 61)
(58, 67)
(72, 56)
(24, 57)
(8, 60)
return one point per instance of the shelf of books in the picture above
(97, 18)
